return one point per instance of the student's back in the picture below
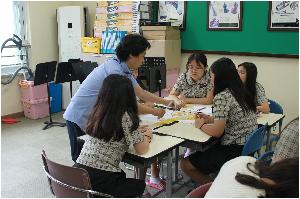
(112, 127)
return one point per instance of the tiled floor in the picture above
(21, 166)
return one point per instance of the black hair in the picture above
(131, 44)
(251, 75)
(227, 77)
(200, 58)
(115, 98)
(285, 174)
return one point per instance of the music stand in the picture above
(153, 72)
(45, 73)
(65, 73)
(82, 70)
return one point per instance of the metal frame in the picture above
(75, 188)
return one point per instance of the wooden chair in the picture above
(200, 191)
(67, 181)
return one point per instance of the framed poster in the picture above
(172, 11)
(283, 16)
(224, 15)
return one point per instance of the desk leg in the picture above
(140, 173)
(169, 176)
(176, 163)
(268, 138)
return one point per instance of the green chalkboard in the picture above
(253, 38)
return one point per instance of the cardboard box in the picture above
(159, 28)
(161, 34)
(114, 3)
(116, 16)
(170, 49)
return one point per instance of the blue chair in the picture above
(266, 157)
(275, 108)
(254, 142)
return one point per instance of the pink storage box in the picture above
(29, 91)
(35, 109)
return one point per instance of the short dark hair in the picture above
(115, 98)
(251, 76)
(227, 77)
(200, 58)
(285, 174)
(131, 44)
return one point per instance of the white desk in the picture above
(271, 119)
(184, 131)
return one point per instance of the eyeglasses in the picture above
(191, 67)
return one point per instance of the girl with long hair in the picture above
(112, 127)
(248, 74)
(233, 119)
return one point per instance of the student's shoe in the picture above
(159, 186)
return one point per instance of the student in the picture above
(112, 126)
(194, 85)
(245, 177)
(248, 73)
(233, 119)
(288, 143)
(130, 54)
(279, 180)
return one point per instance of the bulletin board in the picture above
(254, 38)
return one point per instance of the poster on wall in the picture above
(284, 16)
(224, 15)
(172, 11)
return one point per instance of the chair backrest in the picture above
(67, 181)
(255, 141)
(200, 191)
(275, 107)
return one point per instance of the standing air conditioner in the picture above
(71, 22)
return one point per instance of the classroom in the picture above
(149, 99)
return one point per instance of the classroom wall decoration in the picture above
(254, 38)
(224, 15)
(172, 11)
(284, 16)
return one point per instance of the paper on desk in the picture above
(198, 108)
(187, 121)
(151, 119)
(185, 131)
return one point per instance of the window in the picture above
(13, 20)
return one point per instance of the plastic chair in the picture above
(68, 182)
(275, 108)
(266, 157)
(254, 142)
(200, 191)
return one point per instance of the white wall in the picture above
(279, 76)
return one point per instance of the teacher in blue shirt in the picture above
(130, 54)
